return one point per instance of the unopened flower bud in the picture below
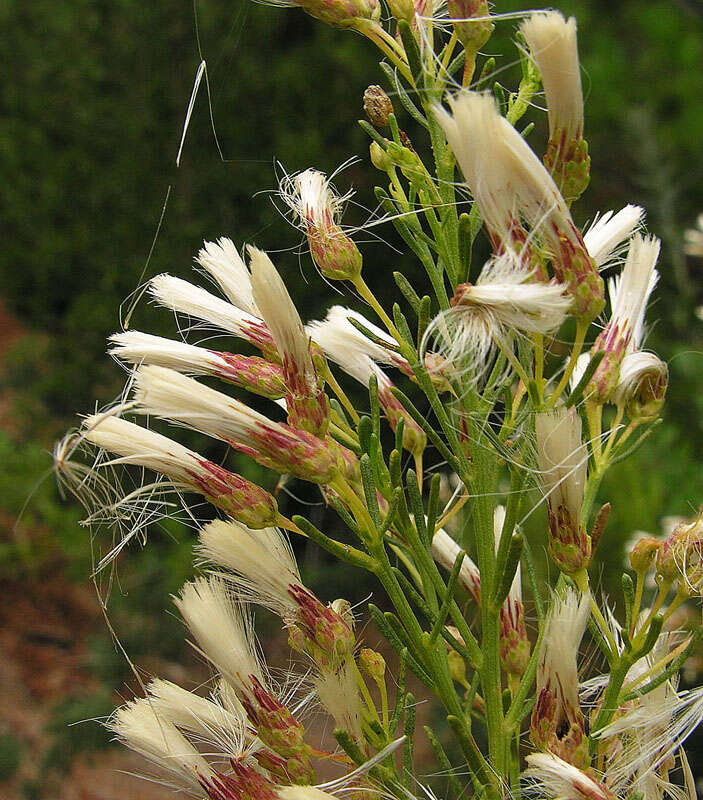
(680, 557)
(377, 106)
(402, 9)
(379, 157)
(351, 14)
(373, 664)
(644, 553)
(409, 163)
(312, 198)
(471, 23)
(457, 667)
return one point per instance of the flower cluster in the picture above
(499, 389)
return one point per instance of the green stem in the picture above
(581, 329)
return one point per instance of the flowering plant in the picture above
(518, 402)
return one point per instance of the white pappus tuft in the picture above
(222, 630)
(140, 728)
(608, 237)
(552, 777)
(282, 318)
(193, 301)
(338, 334)
(553, 45)
(562, 458)
(261, 565)
(630, 291)
(565, 625)
(222, 262)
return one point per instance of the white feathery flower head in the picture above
(193, 301)
(650, 731)
(503, 301)
(562, 458)
(339, 694)
(552, 777)
(564, 627)
(504, 175)
(135, 444)
(136, 347)
(553, 45)
(643, 379)
(167, 394)
(222, 262)
(140, 728)
(335, 335)
(318, 208)
(610, 233)
(261, 565)
(630, 291)
(510, 184)
(312, 198)
(222, 631)
(204, 718)
(249, 372)
(338, 334)
(281, 316)
(445, 550)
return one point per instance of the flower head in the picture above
(624, 331)
(510, 185)
(192, 301)
(337, 331)
(236, 496)
(306, 400)
(610, 233)
(140, 728)
(680, 557)
(557, 722)
(318, 208)
(252, 373)
(554, 778)
(339, 340)
(563, 461)
(169, 395)
(641, 386)
(224, 635)
(445, 551)
(223, 263)
(262, 569)
(642, 741)
(553, 46)
(504, 301)
(514, 644)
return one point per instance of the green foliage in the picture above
(10, 755)
(76, 728)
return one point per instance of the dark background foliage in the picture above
(92, 103)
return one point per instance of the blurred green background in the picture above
(92, 105)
